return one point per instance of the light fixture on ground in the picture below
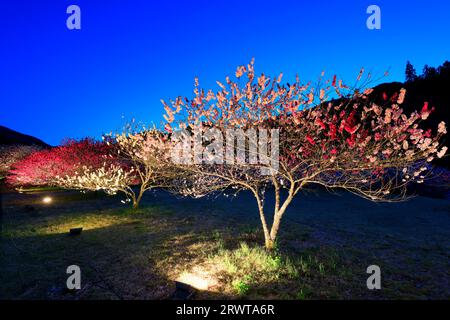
(47, 200)
(75, 231)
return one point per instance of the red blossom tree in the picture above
(348, 142)
(42, 168)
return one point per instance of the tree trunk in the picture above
(137, 200)
(268, 241)
(277, 219)
(269, 244)
(135, 204)
(276, 224)
(270, 237)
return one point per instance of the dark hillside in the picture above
(433, 86)
(12, 137)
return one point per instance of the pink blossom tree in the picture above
(329, 134)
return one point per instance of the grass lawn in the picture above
(126, 254)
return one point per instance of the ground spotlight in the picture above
(47, 200)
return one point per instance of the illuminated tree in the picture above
(349, 142)
(10, 154)
(41, 168)
(148, 153)
(140, 160)
(110, 178)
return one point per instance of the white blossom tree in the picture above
(141, 164)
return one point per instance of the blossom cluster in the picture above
(42, 167)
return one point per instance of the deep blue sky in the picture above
(58, 83)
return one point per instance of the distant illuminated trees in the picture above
(131, 163)
(141, 160)
(10, 154)
(42, 168)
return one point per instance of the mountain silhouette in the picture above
(10, 137)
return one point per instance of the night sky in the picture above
(58, 83)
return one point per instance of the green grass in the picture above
(137, 254)
(140, 251)
(247, 266)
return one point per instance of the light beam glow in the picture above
(47, 200)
